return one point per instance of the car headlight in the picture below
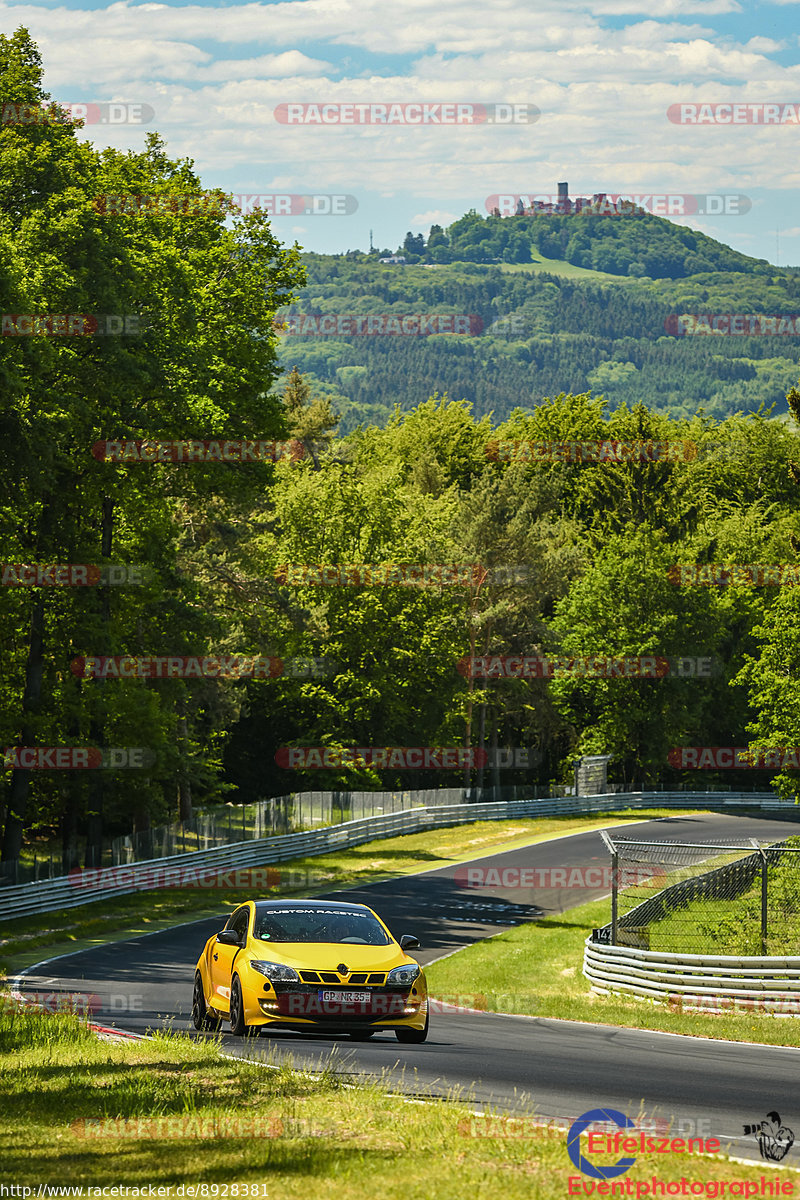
(403, 975)
(277, 972)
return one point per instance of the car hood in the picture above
(326, 956)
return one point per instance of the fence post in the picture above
(614, 883)
(764, 880)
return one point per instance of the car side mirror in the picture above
(409, 942)
(228, 937)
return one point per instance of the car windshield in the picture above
(347, 926)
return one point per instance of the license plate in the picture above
(344, 997)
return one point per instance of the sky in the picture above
(584, 92)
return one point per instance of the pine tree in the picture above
(311, 421)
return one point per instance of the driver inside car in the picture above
(337, 929)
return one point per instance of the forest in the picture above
(534, 333)
(463, 573)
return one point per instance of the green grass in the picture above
(75, 1111)
(558, 266)
(536, 969)
(27, 940)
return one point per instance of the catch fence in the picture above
(230, 824)
(733, 898)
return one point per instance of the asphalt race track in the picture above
(555, 1068)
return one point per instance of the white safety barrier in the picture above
(51, 895)
(710, 982)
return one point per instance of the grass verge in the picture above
(27, 940)
(174, 1113)
(536, 969)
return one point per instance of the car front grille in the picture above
(360, 978)
(304, 1004)
(341, 985)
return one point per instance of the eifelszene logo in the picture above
(606, 1116)
(608, 1142)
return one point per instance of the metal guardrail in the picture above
(52, 895)
(698, 981)
(296, 812)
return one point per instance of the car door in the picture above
(223, 959)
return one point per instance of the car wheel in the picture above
(415, 1036)
(201, 1017)
(238, 1025)
(362, 1035)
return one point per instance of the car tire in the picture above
(414, 1036)
(238, 1023)
(201, 1017)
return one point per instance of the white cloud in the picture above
(290, 64)
(438, 216)
(603, 89)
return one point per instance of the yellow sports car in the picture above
(312, 965)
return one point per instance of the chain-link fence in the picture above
(229, 824)
(267, 818)
(695, 898)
